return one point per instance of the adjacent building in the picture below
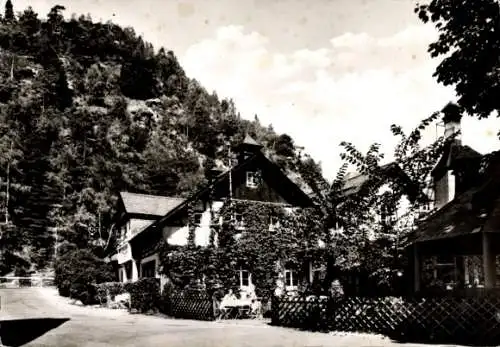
(456, 248)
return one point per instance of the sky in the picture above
(322, 71)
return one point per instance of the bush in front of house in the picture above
(77, 272)
(144, 295)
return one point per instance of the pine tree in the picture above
(9, 12)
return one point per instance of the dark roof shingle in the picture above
(475, 210)
(454, 153)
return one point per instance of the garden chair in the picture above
(243, 312)
(255, 310)
(221, 311)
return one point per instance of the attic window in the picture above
(252, 179)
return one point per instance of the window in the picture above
(291, 278)
(239, 223)
(252, 179)
(197, 219)
(387, 216)
(274, 223)
(149, 269)
(244, 278)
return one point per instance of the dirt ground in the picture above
(39, 317)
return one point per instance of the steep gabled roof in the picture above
(355, 181)
(151, 205)
(286, 183)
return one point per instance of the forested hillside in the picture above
(88, 109)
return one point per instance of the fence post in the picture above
(214, 308)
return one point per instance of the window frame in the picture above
(252, 180)
(293, 278)
(241, 271)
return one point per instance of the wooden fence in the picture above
(190, 305)
(32, 281)
(439, 319)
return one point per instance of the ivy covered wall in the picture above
(241, 236)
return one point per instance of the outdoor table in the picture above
(234, 312)
(232, 308)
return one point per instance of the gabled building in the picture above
(135, 213)
(253, 179)
(457, 247)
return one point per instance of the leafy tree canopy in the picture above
(469, 44)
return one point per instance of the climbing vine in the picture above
(257, 237)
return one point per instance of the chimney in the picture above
(451, 119)
(444, 177)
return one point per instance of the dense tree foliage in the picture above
(88, 109)
(469, 43)
(372, 225)
(77, 272)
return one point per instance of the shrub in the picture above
(144, 295)
(77, 271)
(108, 291)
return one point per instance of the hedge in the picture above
(77, 272)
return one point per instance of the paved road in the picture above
(41, 318)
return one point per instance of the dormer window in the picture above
(252, 179)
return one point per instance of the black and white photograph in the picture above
(271, 173)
